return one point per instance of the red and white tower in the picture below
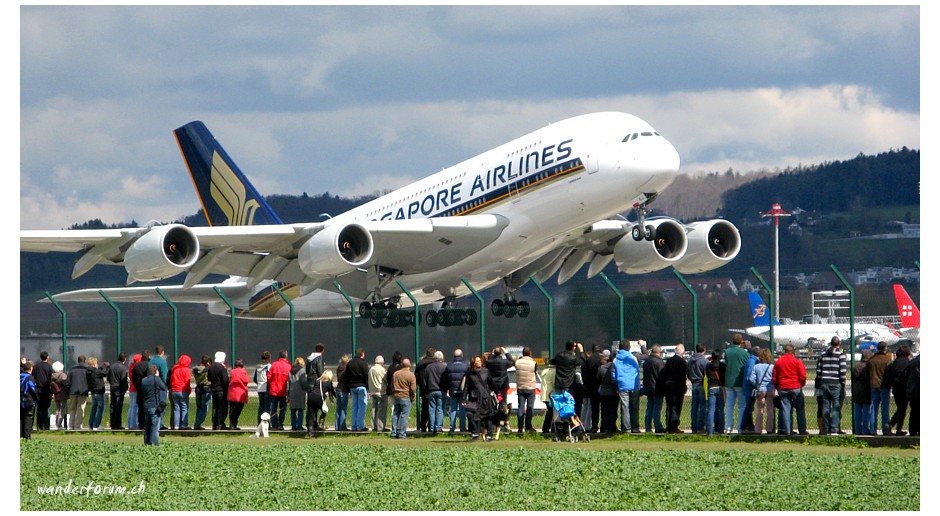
(776, 212)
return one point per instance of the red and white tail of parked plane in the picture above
(910, 314)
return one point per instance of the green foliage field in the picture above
(430, 474)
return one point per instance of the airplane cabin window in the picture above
(647, 134)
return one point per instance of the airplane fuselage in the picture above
(802, 335)
(550, 185)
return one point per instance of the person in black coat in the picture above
(42, 373)
(673, 378)
(498, 365)
(478, 400)
(154, 393)
(138, 373)
(590, 412)
(566, 363)
(654, 389)
(453, 376)
(424, 420)
(117, 381)
(218, 386)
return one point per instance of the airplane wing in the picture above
(176, 293)
(297, 253)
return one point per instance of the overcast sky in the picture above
(352, 100)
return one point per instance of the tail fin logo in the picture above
(759, 311)
(230, 194)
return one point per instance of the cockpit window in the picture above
(629, 137)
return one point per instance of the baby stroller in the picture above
(566, 423)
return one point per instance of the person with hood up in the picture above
(179, 393)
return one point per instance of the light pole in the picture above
(776, 212)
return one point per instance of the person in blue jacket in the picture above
(627, 374)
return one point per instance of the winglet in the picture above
(910, 314)
(227, 197)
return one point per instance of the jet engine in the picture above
(712, 243)
(162, 252)
(335, 250)
(666, 248)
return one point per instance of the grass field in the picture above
(374, 472)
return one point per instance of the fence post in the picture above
(770, 295)
(291, 307)
(620, 297)
(352, 314)
(691, 290)
(231, 311)
(117, 312)
(417, 319)
(482, 314)
(61, 310)
(176, 323)
(551, 316)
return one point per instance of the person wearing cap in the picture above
(377, 388)
(218, 386)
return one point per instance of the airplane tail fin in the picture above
(226, 195)
(910, 314)
(759, 310)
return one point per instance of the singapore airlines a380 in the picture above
(545, 203)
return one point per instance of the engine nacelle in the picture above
(712, 243)
(335, 250)
(641, 257)
(162, 252)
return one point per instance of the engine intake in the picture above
(712, 243)
(162, 252)
(640, 257)
(335, 250)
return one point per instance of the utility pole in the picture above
(776, 212)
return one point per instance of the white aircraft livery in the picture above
(810, 335)
(545, 203)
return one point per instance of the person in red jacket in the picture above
(278, 376)
(179, 393)
(237, 393)
(789, 377)
(132, 422)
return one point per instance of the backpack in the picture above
(27, 384)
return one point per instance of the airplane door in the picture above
(591, 162)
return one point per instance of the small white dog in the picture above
(262, 430)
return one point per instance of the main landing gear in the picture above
(448, 316)
(510, 308)
(386, 314)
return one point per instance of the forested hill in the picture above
(887, 179)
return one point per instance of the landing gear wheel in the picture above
(497, 307)
(648, 233)
(471, 317)
(524, 309)
(375, 322)
(636, 233)
(365, 309)
(431, 318)
(510, 310)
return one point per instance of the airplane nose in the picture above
(650, 159)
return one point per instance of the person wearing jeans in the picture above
(526, 374)
(789, 377)
(404, 388)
